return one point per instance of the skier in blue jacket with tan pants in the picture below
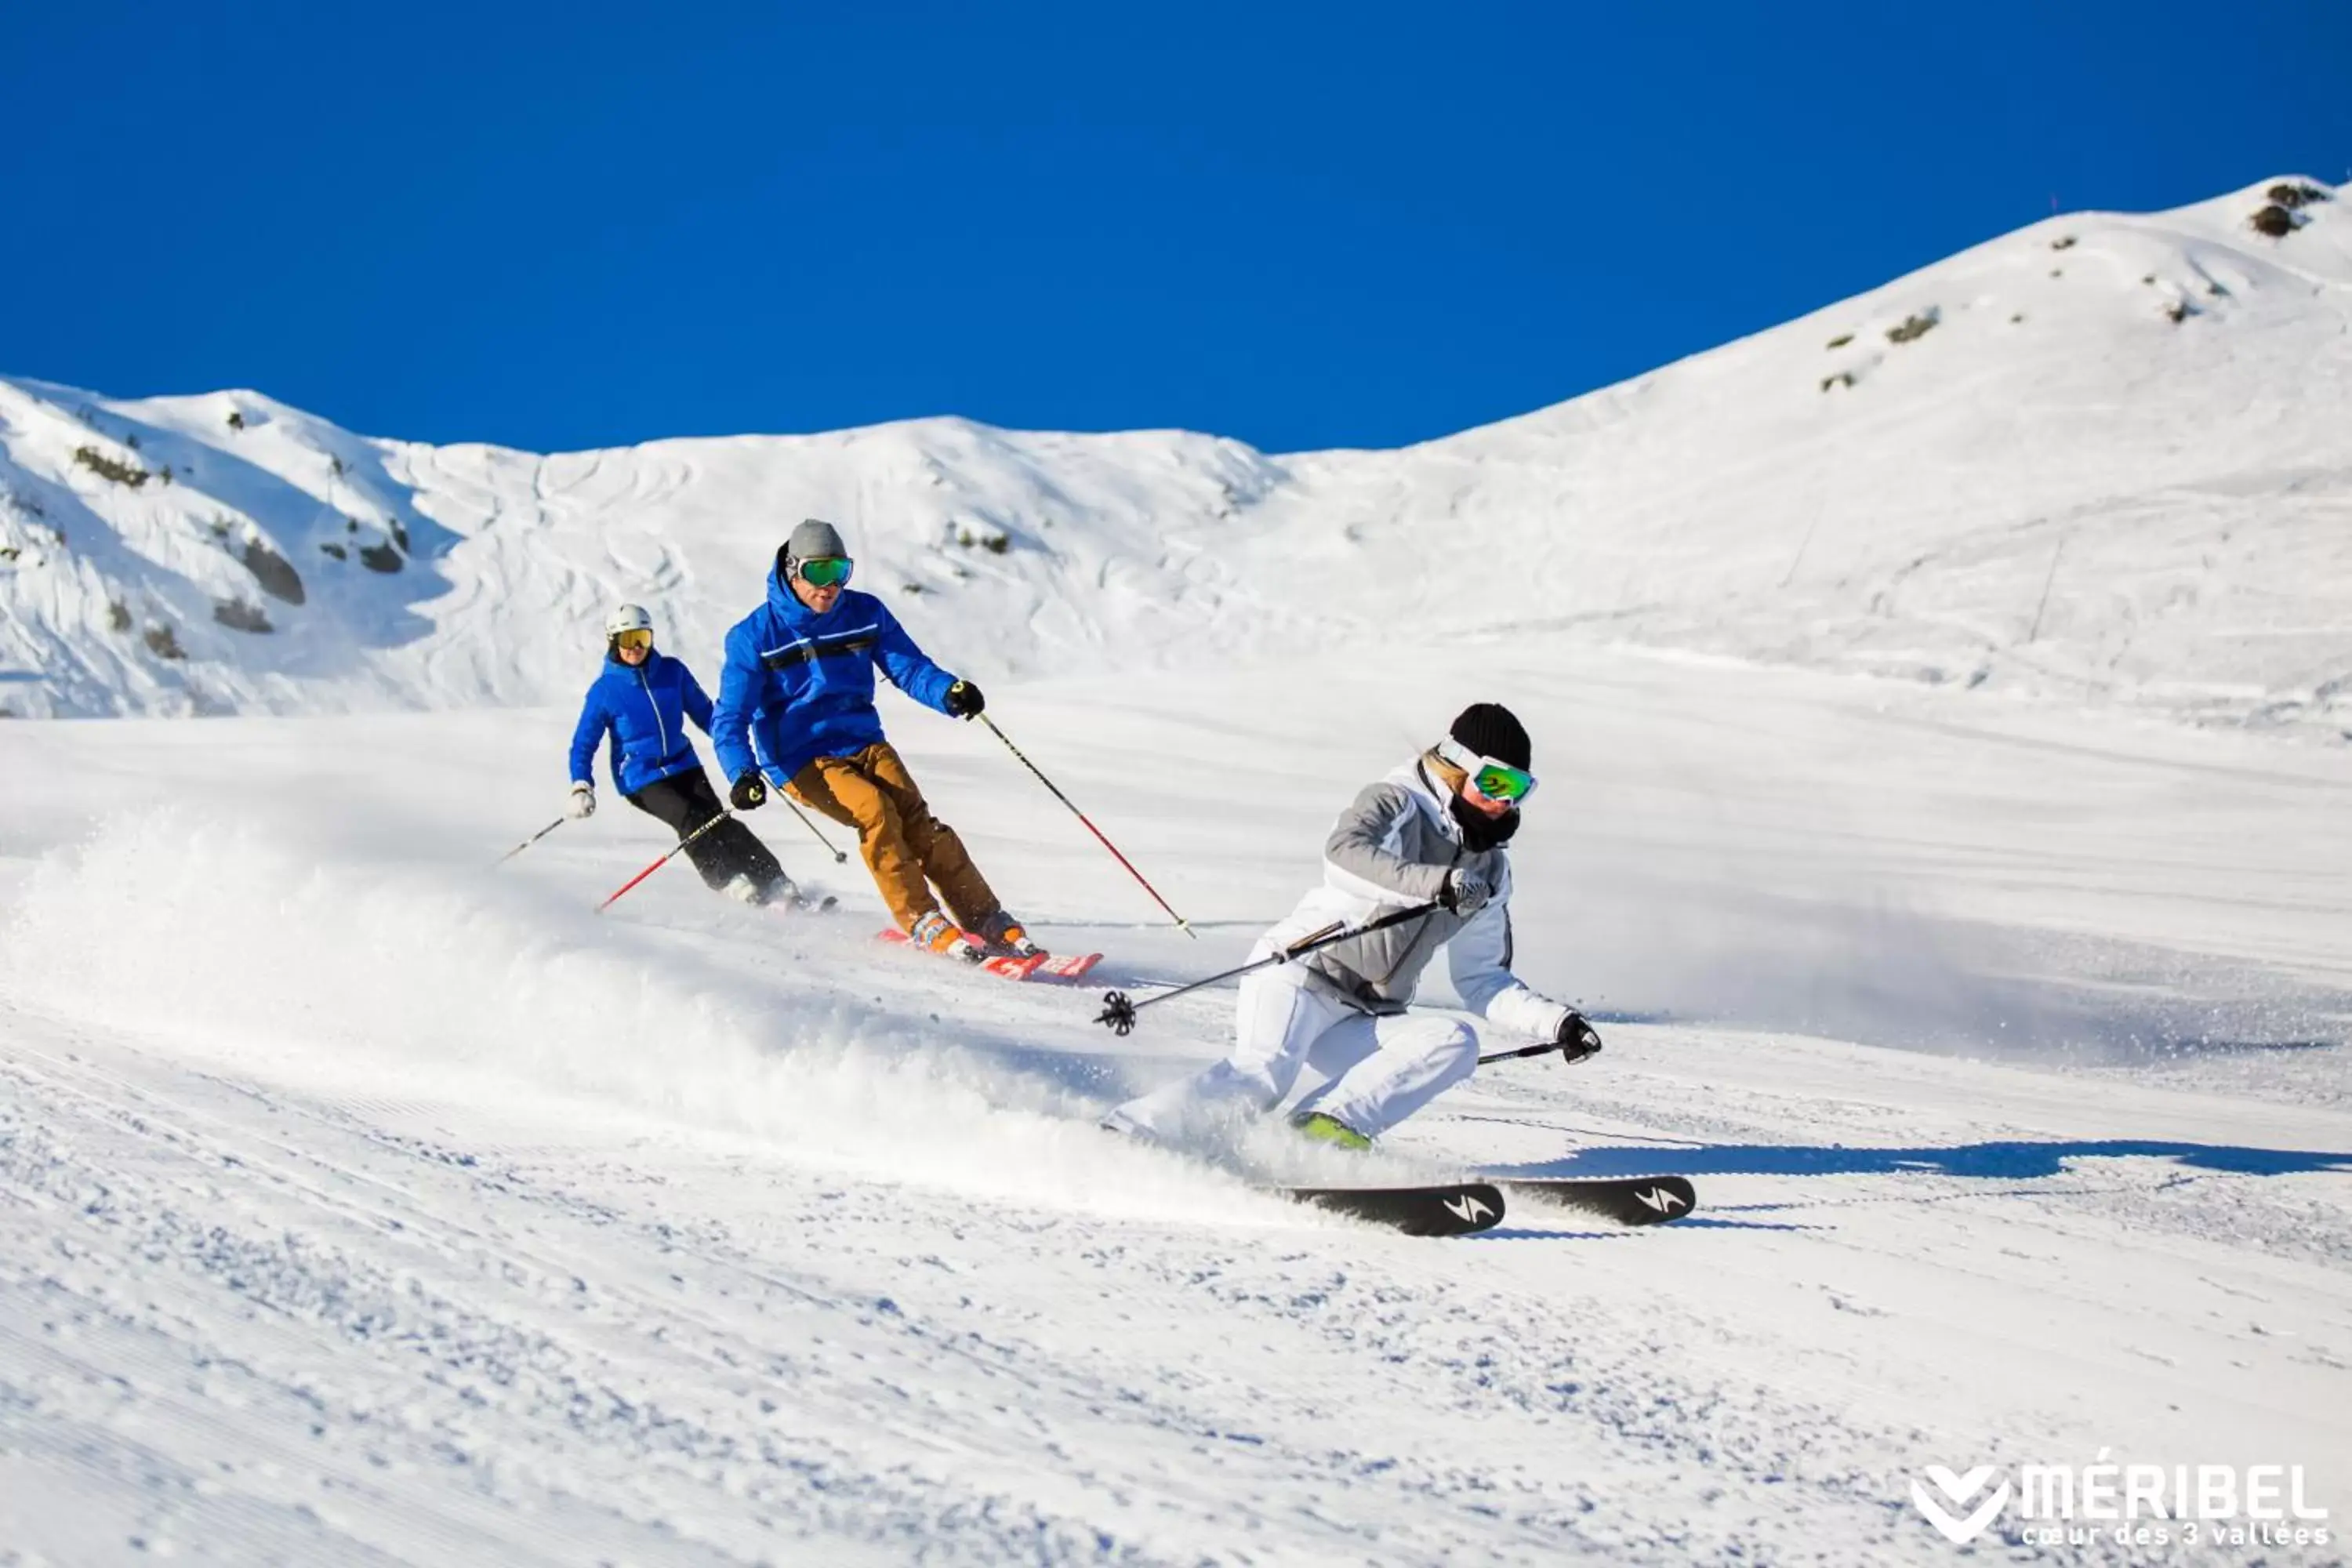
(643, 699)
(796, 709)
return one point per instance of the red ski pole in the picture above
(1182, 924)
(663, 861)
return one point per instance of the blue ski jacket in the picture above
(799, 686)
(646, 709)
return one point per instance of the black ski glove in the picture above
(1464, 893)
(750, 791)
(1576, 1039)
(965, 700)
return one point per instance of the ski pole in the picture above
(529, 842)
(840, 857)
(1542, 1050)
(1119, 1013)
(1589, 1042)
(1182, 924)
(664, 860)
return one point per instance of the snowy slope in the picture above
(359, 1204)
(2100, 457)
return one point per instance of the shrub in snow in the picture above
(2063, 242)
(117, 616)
(272, 570)
(1917, 326)
(1841, 340)
(2296, 193)
(163, 643)
(2274, 221)
(240, 616)
(380, 558)
(1842, 378)
(337, 551)
(107, 467)
(236, 419)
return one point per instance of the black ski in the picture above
(1628, 1200)
(1456, 1209)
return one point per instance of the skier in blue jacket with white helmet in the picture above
(643, 699)
(799, 686)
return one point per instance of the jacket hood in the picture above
(1418, 779)
(780, 597)
(1437, 786)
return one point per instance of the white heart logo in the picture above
(1957, 1489)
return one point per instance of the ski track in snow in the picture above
(360, 1204)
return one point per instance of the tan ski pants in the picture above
(908, 849)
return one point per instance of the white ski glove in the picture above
(1464, 893)
(582, 802)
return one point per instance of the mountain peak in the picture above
(2099, 456)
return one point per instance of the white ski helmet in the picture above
(627, 618)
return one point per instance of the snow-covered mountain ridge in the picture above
(2103, 456)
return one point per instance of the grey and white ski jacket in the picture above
(1391, 849)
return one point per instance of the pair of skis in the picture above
(1465, 1208)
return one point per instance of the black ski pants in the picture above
(730, 850)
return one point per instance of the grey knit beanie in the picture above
(815, 539)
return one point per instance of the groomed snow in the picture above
(360, 1203)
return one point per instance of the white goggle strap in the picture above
(1460, 755)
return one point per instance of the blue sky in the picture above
(1302, 225)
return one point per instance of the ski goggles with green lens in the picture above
(1496, 781)
(823, 571)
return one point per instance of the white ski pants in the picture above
(1378, 1071)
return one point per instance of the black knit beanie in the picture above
(1490, 729)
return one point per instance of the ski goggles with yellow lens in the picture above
(635, 641)
(1496, 781)
(823, 571)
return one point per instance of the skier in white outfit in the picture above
(1433, 830)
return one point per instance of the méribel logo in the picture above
(1958, 1523)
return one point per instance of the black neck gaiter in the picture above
(1480, 832)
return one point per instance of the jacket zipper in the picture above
(661, 731)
